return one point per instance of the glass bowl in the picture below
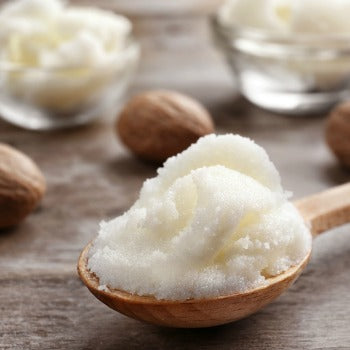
(45, 99)
(286, 74)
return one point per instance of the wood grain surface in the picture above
(90, 176)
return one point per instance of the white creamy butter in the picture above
(290, 16)
(59, 56)
(214, 221)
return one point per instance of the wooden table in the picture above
(43, 304)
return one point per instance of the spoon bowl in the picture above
(322, 211)
(192, 313)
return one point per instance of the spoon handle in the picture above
(327, 209)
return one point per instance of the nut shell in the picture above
(158, 124)
(338, 133)
(22, 186)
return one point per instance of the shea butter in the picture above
(289, 16)
(62, 58)
(214, 221)
(289, 56)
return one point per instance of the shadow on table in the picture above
(129, 165)
(243, 335)
(143, 336)
(210, 338)
(336, 174)
(7, 232)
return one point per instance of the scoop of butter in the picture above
(214, 221)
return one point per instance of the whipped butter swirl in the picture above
(214, 221)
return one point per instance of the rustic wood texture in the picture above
(44, 305)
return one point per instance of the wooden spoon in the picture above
(322, 211)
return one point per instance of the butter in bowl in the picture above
(61, 65)
(288, 56)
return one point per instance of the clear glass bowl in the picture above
(45, 99)
(287, 74)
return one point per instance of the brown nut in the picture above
(22, 185)
(338, 132)
(158, 124)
